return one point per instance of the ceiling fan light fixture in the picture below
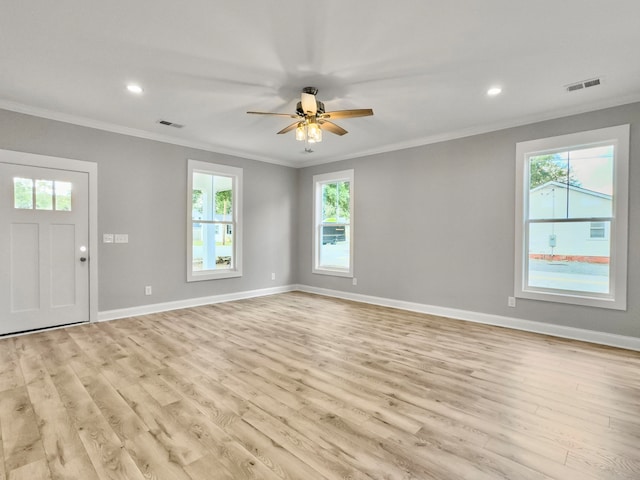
(311, 117)
(314, 133)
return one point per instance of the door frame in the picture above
(91, 169)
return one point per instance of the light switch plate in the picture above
(107, 238)
(122, 237)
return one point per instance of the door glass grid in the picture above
(41, 194)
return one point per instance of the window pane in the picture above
(334, 246)
(44, 194)
(598, 230)
(591, 170)
(23, 193)
(335, 202)
(572, 184)
(212, 197)
(212, 246)
(562, 256)
(548, 175)
(329, 201)
(63, 196)
(224, 200)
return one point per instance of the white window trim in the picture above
(236, 174)
(619, 137)
(342, 176)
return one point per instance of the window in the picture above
(597, 230)
(333, 224)
(30, 194)
(214, 232)
(571, 218)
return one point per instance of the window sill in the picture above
(197, 277)
(332, 272)
(573, 298)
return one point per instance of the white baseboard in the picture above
(602, 338)
(190, 302)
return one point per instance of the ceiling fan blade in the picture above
(309, 104)
(361, 112)
(332, 127)
(293, 126)
(290, 115)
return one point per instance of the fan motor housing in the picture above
(319, 104)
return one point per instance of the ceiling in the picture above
(423, 66)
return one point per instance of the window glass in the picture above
(49, 194)
(561, 258)
(598, 230)
(571, 226)
(44, 194)
(23, 193)
(570, 184)
(335, 202)
(335, 247)
(215, 249)
(63, 196)
(333, 219)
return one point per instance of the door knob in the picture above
(83, 259)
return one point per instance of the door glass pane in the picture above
(334, 246)
(44, 194)
(23, 193)
(63, 196)
(564, 256)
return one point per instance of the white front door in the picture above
(44, 247)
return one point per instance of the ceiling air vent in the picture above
(583, 84)
(170, 124)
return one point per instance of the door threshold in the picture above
(43, 329)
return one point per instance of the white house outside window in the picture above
(571, 218)
(333, 224)
(215, 230)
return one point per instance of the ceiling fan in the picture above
(311, 118)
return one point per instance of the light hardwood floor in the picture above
(298, 386)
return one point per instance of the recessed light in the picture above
(493, 91)
(137, 89)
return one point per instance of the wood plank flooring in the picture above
(298, 386)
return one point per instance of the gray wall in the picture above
(142, 191)
(443, 212)
(435, 225)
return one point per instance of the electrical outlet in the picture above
(147, 290)
(511, 301)
(355, 281)
(273, 276)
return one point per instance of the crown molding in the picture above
(133, 132)
(209, 147)
(479, 130)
